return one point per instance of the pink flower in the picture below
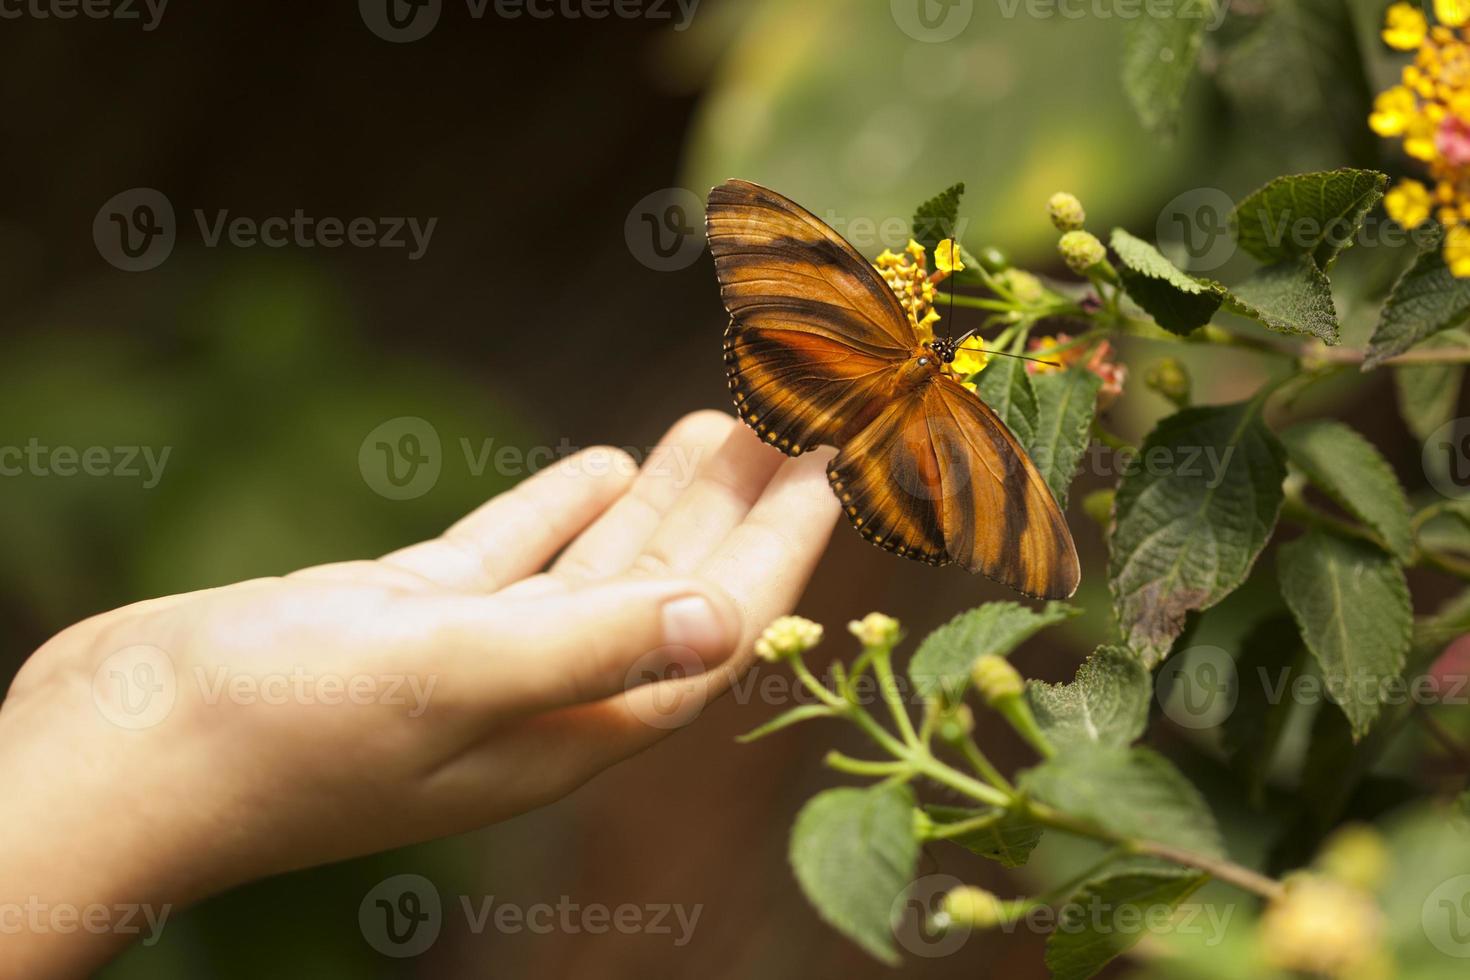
(1452, 140)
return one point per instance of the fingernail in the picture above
(692, 622)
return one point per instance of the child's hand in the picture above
(179, 746)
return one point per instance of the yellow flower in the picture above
(875, 630)
(1392, 111)
(947, 257)
(916, 250)
(1322, 927)
(1404, 27)
(1457, 251)
(971, 358)
(787, 636)
(1408, 203)
(1452, 13)
(1419, 138)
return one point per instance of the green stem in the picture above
(983, 766)
(865, 767)
(888, 686)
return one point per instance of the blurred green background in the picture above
(537, 318)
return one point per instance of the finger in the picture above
(714, 505)
(582, 645)
(519, 531)
(763, 566)
(609, 546)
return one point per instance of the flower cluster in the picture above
(1063, 353)
(1429, 112)
(908, 275)
(787, 636)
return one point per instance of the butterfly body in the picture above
(820, 352)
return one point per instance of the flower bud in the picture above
(954, 724)
(996, 679)
(1321, 927)
(1355, 855)
(1065, 212)
(1081, 250)
(1098, 505)
(787, 637)
(977, 908)
(875, 630)
(1025, 287)
(1170, 378)
(993, 259)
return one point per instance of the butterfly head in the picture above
(944, 348)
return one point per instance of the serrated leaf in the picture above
(936, 218)
(1177, 301)
(1429, 394)
(1312, 215)
(1292, 296)
(1010, 840)
(1192, 513)
(1101, 918)
(942, 662)
(854, 853)
(1270, 660)
(1133, 792)
(1352, 605)
(1066, 402)
(1106, 704)
(786, 719)
(1159, 56)
(1426, 300)
(1005, 386)
(1350, 470)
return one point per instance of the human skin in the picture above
(523, 680)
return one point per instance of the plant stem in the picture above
(1221, 868)
(865, 767)
(983, 766)
(883, 672)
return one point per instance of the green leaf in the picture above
(1005, 386)
(1010, 840)
(936, 218)
(1270, 660)
(1429, 394)
(1176, 300)
(942, 662)
(1352, 605)
(1133, 792)
(854, 853)
(1192, 513)
(1103, 917)
(1292, 296)
(1315, 215)
(785, 720)
(1065, 404)
(1426, 301)
(1107, 703)
(1159, 55)
(1355, 475)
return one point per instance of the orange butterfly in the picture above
(819, 351)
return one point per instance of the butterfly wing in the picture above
(815, 335)
(938, 477)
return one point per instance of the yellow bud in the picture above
(875, 630)
(955, 723)
(1098, 505)
(974, 907)
(787, 637)
(1322, 927)
(1355, 855)
(1025, 287)
(1081, 250)
(1065, 211)
(996, 679)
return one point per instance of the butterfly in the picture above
(819, 351)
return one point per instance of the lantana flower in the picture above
(1099, 360)
(1429, 113)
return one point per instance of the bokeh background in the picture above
(564, 299)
